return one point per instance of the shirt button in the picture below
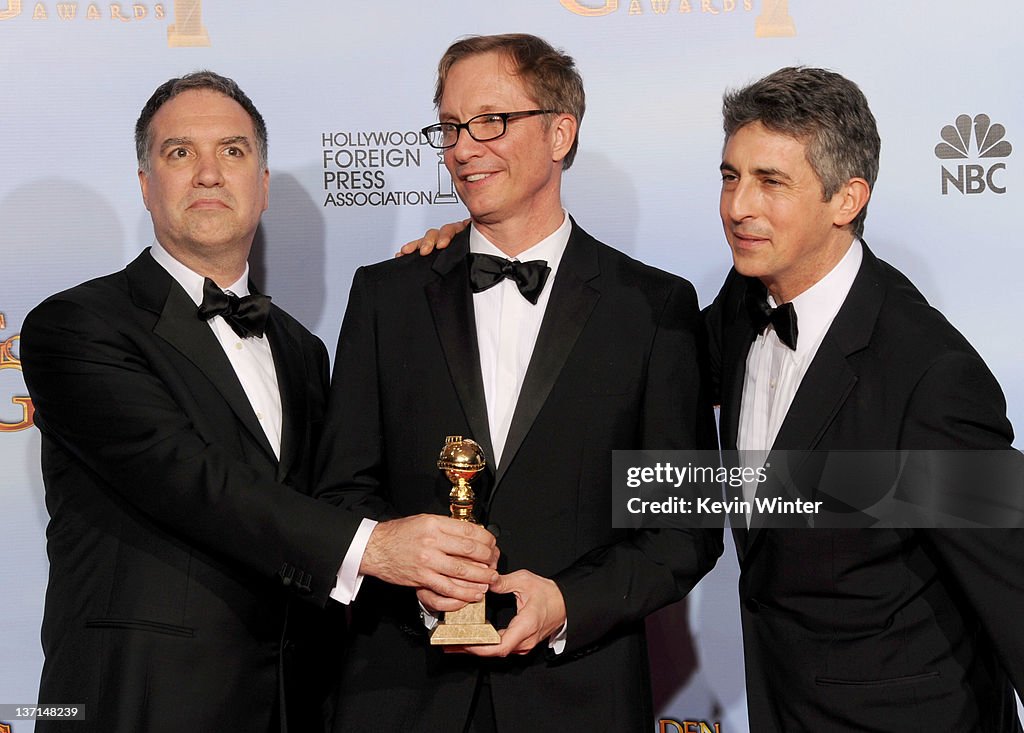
(238, 345)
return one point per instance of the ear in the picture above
(144, 185)
(563, 134)
(850, 199)
(266, 189)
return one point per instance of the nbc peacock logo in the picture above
(986, 140)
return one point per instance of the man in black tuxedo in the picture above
(883, 629)
(550, 349)
(178, 422)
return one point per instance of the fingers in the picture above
(451, 570)
(424, 245)
(429, 241)
(540, 613)
(519, 638)
(456, 594)
(433, 239)
(432, 552)
(471, 541)
(522, 635)
(437, 603)
(447, 233)
(408, 248)
(505, 583)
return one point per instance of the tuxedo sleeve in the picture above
(100, 398)
(958, 406)
(623, 582)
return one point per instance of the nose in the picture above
(465, 147)
(208, 173)
(738, 200)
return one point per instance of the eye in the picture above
(179, 153)
(235, 151)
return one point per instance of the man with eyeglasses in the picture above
(550, 349)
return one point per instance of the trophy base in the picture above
(445, 634)
(468, 625)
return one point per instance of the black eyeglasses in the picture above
(482, 128)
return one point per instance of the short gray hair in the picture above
(196, 80)
(822, 108)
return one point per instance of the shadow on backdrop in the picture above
(288, 254)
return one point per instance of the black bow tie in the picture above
(486, 271)
(247, 316)
(782, 319)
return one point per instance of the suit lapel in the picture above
(736, 340)
(451, 304)
(288, 364)
(154, 289)
(738, 334)
(829, 380)
(573, 297)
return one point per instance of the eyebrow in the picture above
(237, 140)
(233, 140)
(772, 173)
(485, 110)
(759, 172)
(173, 142)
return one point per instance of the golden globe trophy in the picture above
(461, 459)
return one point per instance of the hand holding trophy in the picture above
(461, 459)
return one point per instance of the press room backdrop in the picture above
(345, 86)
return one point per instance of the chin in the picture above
(748, 265)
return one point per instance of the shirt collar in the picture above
(550, 249)
(191, 280)
(817, 306)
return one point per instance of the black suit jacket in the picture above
(877, 629)
(615, 367)
(176, 538)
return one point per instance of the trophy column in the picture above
(461, 459)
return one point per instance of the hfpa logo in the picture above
(988, 143)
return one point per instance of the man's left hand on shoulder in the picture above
(433, 239)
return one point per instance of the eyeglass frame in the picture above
(460, 126)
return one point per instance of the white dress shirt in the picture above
(507, 325)
(774, 371)
(251, 357)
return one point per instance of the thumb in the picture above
(502, 585)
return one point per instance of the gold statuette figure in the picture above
(461, 459)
